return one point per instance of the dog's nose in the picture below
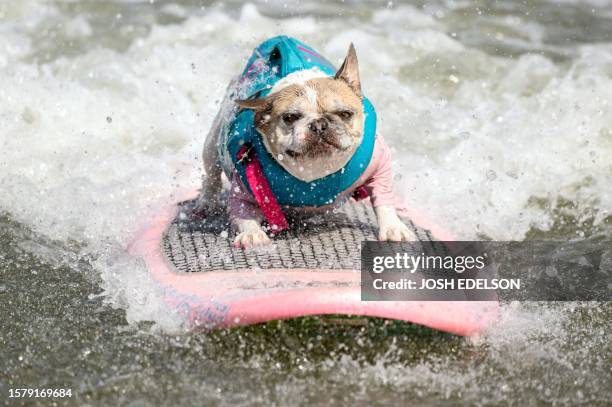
(318, 126)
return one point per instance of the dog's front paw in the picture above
(251, 239)
(396, 232)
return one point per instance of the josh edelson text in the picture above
(436, 272)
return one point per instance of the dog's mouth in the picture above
(319, 148)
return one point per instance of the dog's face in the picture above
(313, 128)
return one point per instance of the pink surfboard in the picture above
(312, 270)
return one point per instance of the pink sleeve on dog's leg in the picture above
(241, 203)
(380, 184)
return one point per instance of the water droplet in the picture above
(551, 271)
(512, 174)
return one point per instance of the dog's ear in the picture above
(258, 105)
(262, 108)
(349, 71)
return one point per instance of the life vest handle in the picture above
(261, 189)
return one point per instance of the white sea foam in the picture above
(92, 142)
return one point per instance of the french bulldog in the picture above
(312, 124)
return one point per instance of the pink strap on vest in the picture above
(360, 193)
(261, 190)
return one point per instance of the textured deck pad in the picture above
(310, 270)
(330, 241)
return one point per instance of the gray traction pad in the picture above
(330, 241)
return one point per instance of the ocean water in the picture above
(500, 117)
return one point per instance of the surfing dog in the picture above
(314, 133)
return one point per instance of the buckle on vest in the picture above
(244, 154)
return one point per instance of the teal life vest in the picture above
(271, 61)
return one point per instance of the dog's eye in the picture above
(290, 118)
(345, 114)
